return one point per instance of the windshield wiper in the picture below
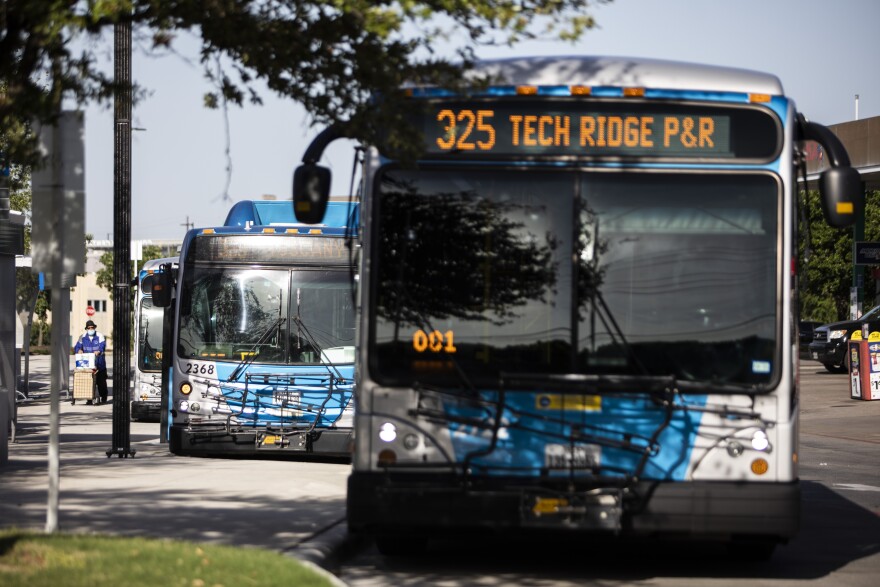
(251, 354)
(310, 338)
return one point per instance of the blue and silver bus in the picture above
(578, 310)
(264, 335)
(146, 395)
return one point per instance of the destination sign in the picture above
(596, 129)
(269, 249)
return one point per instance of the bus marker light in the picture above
(844, 207)
(527, 90)
(580, 90)
(208, 231)
(759, 97)
(186, 388)
(387, 432)
(268, 231)
(387, 457)
(634, 92)
(760, 466)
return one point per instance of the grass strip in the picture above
(30, 559)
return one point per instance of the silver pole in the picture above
(57, 334)
(857, 106)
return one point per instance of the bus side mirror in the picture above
(311, 191)
(843, 196)
(161, 290)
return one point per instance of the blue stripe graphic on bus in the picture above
(305, 394)
(622, 430)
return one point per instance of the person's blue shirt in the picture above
(90, 343)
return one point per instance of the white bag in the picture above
(84, 360)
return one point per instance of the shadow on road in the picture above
(834, 533)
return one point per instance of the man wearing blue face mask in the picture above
(93, 342)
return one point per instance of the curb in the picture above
(324, 551)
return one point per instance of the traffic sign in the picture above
(90, 311)
(866, 253)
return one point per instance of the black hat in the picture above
(90, 323)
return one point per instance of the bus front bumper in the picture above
(146, 411)
(213, 441)
(379, 504)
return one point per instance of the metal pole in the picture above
(122, 242)
(54, 457)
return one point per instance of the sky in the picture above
(824, 52)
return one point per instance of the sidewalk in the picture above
(293, 507)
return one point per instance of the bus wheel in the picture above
(401, 545)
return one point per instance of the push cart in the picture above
(84, 387)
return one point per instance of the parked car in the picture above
(829, 340)
(806, 329)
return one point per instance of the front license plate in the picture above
(597, 510)
(816, 356)
(564, 456)
(286, 398)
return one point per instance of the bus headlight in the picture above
(183, 405)
(760, 441)
(410, 441)
(735, 449)
(387, 432)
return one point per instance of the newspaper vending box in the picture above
(864, 366)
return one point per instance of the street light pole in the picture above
(122, 241)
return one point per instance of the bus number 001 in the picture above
(196, 369)
(435, 341)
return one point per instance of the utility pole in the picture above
(188, 225)
(121, 241)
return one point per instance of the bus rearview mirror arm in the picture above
(840, 188)
(311, 182)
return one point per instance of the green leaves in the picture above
(331, 56)
(826, 274)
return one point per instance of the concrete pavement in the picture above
(297, 508)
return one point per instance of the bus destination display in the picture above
(579, 130)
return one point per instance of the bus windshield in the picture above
(558, 272)
(268, 315)
(150, 337)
